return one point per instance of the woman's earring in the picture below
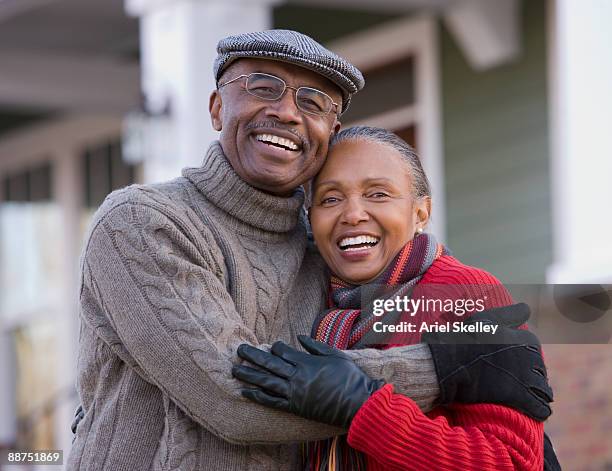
(419, 230)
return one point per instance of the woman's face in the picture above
(363, 209)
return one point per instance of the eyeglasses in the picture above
(272, 88)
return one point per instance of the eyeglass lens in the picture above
(307, 99)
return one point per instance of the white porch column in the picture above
(8, 418)
(178, 48)
(68, 192)
(581, 142)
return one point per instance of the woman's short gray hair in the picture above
(388, 138)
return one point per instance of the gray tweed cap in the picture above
(295, 48)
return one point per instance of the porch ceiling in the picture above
(80, 27)
(83, 54)
(399, 6)
(101, 27)
(68, 55)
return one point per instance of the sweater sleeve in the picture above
(152, 290)
(392, 431)
(409, 368)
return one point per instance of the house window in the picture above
(389, 87)
(105, 171)
(31, 185)
(408, 134)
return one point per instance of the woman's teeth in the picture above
(356, 243)
(277, 141)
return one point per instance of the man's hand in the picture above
(323, 385)
(505, 368)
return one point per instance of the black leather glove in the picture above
(551, 463)
(506, 368)
(324, 385)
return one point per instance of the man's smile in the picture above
(278, 141)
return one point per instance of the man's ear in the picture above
(214, 107)
(336, 128)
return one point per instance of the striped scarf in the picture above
(344, 327)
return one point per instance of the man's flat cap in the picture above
(294, 48)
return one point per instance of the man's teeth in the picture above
(348, 243)
(281, 141)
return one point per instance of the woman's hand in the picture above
(323, 385)
(505, 368)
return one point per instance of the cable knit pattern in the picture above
(174, 277)
(396, 435)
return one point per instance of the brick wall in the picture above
(581, 424)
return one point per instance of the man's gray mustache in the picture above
(275, 125)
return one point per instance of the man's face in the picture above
(247, 122)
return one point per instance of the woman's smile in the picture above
(358, 245)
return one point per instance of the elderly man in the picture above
(175, 276)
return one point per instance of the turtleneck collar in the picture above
(219, 183)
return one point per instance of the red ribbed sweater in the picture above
(395, 435)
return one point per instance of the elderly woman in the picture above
(370, 205)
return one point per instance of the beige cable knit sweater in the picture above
(174, 277)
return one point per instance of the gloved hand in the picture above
(323, 385)
(506, 368)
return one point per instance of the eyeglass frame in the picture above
(221, 85)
